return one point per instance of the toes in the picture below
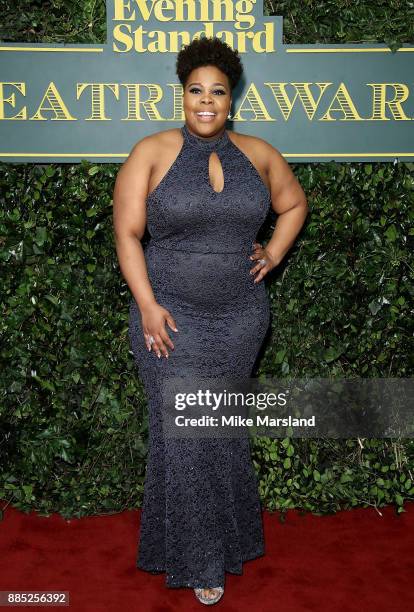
(210, 593)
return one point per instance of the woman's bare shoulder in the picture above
(146, 151)
(153, 142)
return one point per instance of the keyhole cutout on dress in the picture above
(215, 173)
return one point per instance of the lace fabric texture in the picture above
(201, 514)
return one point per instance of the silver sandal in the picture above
(206, 600)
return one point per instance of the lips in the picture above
(205, 116)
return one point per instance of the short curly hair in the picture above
(209, 51)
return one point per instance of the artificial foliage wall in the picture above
(73, 419)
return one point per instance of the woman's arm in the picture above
(129, 221)
(289, 201)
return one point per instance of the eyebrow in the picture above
(211, 85)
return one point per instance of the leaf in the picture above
(280, 355)
(40, 236)
(391, 233)
(399, 499)
(375, 306)
(333, 353)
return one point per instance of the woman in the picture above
(203, 192)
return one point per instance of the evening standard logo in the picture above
(134, 25)
(66, 103)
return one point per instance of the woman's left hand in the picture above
(264, 266)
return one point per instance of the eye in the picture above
(219, 91)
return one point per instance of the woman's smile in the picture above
(206, 116)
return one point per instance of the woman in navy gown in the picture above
(199, 308)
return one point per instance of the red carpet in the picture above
(355, 560)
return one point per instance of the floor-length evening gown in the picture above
(201, 514)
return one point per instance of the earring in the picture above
(229, 115)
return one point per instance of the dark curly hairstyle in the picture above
(207, 51)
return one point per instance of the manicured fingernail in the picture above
(158, 355)
(175, 329)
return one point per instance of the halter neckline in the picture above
(203, 144)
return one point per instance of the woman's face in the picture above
(207, 90)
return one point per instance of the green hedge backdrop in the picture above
(73, 420)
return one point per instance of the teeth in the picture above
(206, 113)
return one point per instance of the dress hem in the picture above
(196, 584)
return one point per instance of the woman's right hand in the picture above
(153, 321)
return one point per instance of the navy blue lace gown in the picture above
(201, 514)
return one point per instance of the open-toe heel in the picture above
(206, 600)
